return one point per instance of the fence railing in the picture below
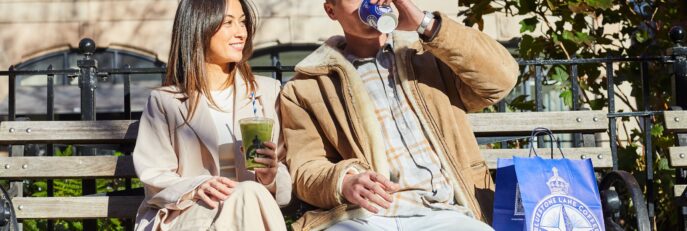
(88, 74)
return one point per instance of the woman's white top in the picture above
(224, 122)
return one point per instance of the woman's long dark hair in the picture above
(195, 23)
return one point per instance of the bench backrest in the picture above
(82, 167)
(522, 123)
(676, 121)
(125, 131)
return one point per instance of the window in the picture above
(67, 59)
(32, 89)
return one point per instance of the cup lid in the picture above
(256, 120)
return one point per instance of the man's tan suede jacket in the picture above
(329, 126)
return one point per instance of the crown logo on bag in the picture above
(557, 184)
(560, 211)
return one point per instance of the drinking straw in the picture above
(255, 109)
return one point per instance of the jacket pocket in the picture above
(483, 188)
(479, 174)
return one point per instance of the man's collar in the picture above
(329, 55)
(387, 47)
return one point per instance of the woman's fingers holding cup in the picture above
(268, 158)
(270, 145)
(269, 163)
(268, 173)
(266, 153)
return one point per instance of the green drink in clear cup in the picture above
(255, 131)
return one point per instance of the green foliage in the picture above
(528, 25)
(566, 29)
(521, 102)
(599, 4)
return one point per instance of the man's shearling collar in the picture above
(330, 55)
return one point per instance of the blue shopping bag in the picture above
(508, 209)
(553, 194)
(561, 193)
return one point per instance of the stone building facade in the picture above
(30, 30)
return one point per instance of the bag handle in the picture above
(544, 131)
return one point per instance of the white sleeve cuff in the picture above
(353, 169)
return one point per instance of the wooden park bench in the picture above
(588, 124)
(676, 121)
(123, 133)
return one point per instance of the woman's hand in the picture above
(267, 174)
(215, 190)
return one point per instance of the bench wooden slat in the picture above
(678, 156)
(676, 120)
(76, 207)
(522, 123)
(601, 157)
(679, 189)
(68, 132)
(66, 167)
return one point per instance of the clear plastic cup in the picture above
(255, 131)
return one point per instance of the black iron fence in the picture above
(88, 74)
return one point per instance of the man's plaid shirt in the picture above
(412, 160)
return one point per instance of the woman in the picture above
(187, 153)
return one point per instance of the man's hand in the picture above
(409, 15)
(215, 190)
(267, 174)
(368, 189)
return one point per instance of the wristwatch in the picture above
(425, 22)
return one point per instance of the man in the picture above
(375, 127)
